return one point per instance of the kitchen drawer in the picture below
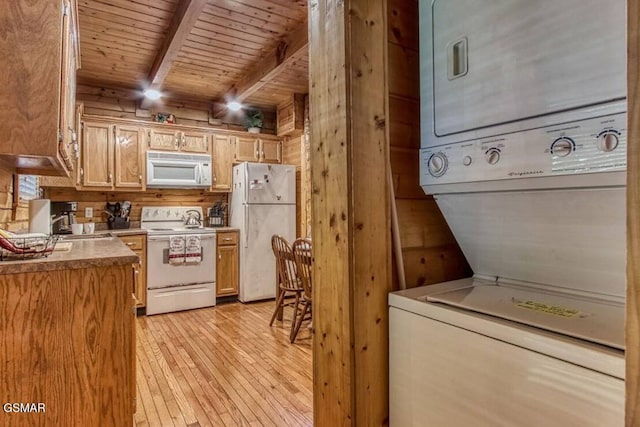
(227, 238)
(135, 243)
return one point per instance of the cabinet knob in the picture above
(219, 255)
(140, 179)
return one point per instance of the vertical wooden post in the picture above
(632, 355)
(350, 211)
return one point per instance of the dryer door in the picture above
(507, 60)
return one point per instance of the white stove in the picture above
(178, 286)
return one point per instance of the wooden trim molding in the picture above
(632, 354)
(350, 211)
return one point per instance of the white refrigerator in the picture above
(263, 203)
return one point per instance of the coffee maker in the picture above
(63, 214)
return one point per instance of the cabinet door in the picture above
(227, 271)
(97, 159)
(195, 142)
(164, 139)
(246, 149)
(222, 159)
(129, 163)
(67, 147)
(270, 151)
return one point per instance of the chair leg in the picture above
(305, 309)
(295, 316)
(278, 305)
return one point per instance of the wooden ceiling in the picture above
(254, 50)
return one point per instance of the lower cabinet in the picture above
(68, 343)
(138, 244)
(227, 264)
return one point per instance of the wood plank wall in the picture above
(430, 252)
(13, 216)
(632, 354)
(98, 199)
(291, 156)
(121, 103)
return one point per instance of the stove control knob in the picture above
(562, 147)
(155, 213)
(437, 164)
(467, 160)
(608, 141)
(492, 155)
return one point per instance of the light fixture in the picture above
(234, 106)
(152, 94)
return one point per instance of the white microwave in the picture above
(178, 170)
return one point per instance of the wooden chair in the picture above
(289, 283)
(302, 254)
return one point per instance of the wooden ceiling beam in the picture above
(184, 18)
(275, 62)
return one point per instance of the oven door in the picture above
(161, 274)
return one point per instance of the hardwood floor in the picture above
(222, 366)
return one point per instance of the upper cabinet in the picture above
(37, 85)
(129, 157)
(176, 140)
(112, 157)
(222, 159)
(262, 150)
(291, 116)
(97, 155)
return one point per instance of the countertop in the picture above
(87, 253)
(104, 233)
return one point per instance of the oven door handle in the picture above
(165, 238)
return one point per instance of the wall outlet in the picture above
(88, 212)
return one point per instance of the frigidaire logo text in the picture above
(524, 173)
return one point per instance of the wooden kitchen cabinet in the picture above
(270, 151)
(249, 149)
(97, 155)
(138, 244)
(112, 157)
(129, 157)
(246, 149)
(37, 91)
(176, 140)
(227, 264)
(68, 341)
(290, 119)
(164, 139)
(222, 159)
(195, 142)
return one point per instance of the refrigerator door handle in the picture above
(246, 226)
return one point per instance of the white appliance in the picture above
(175, 287)
(178, 170)
(40, 216)
(263, 203)
(524, 149)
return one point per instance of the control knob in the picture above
(437, 164)
(492, 155)
(608, 140)
(562, 146)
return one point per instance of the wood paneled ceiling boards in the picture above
(207, 50)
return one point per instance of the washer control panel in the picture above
(587, 146)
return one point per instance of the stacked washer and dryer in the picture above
(523, 121)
